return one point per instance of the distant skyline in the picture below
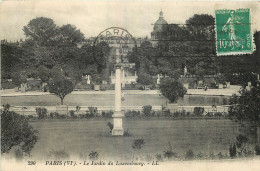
(94, 17)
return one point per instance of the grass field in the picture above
(84, 136)
(108, 100)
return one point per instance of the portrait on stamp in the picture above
(234, 33)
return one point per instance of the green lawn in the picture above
(108, 100)
(84, 136)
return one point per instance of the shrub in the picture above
(220, 155)
(127, 133)
(34, 86)
(189, 155)
(198, 111)
(209, 114)
(244, 108)
(82, 116)
(158, 113)
(158, 157)
(232, 151)
(59, 154)
(41, 113)
(169, 153)
(167, 113)
(182, 113)
(92, 112)
(129, 114)
(30, 117)
(179, 114)
(241, 141)
(188, 114)
(138, 144)
(51, 115)
(78, 108)
(110, 125)
(257, 149)
(15, 131)
(54, 115)
(18, 154)
(147, 110)
(45, 88)
(212, 155)
(249, 153)
(108, 114)
(93, 155)
(218, 114)
(72, 114)
(200, 155)
(63, 116)
(6, 107)
(103, 87)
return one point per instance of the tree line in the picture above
(193, 45)
(51, 51)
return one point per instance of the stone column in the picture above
(117, 116)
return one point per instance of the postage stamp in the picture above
(233, 32)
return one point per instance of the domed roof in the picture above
(159, 23)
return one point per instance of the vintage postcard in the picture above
(130, 85)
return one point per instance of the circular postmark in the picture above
(121, 42)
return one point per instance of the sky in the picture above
(92, 17)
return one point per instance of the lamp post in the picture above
(118, 115)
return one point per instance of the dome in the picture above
(159, 23)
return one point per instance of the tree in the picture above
(70, 36)
(61, 87)
(145, 79)
(200, 70)
(41, 31)
(50, 46)
(144, 58)
(172, 89)
(245, 108)
(15, 131)
(10, 59)
(201, 27)
(19, 77)
(101, 54)
(44, 74)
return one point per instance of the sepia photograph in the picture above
(130, 85)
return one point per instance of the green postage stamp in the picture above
(233, 32)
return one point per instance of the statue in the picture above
(185, 70)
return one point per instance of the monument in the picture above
(123, 42)
(118, 115)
